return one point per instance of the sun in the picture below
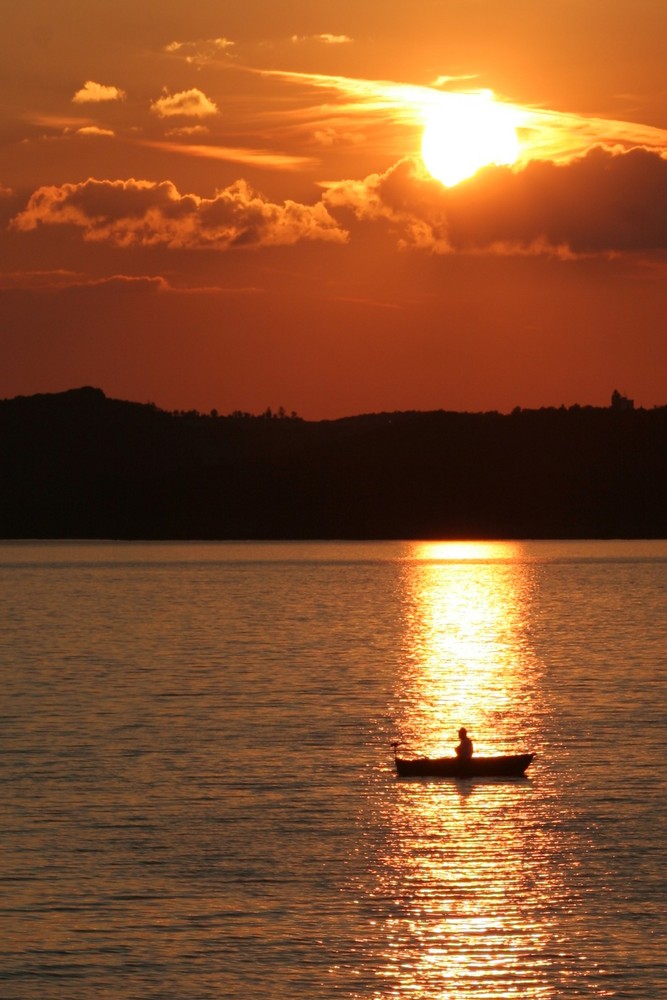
(465, 132)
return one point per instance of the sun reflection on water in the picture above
(465, 862)
(474, 894)
(465, 647)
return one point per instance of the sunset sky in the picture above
(215, 205)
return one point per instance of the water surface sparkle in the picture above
(199, 797)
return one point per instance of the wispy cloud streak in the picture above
(233, 154)
(545, 134)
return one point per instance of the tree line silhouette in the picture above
(80, 465)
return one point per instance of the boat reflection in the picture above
(469, 873)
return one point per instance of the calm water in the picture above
(198, 795)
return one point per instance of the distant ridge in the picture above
(77, 464)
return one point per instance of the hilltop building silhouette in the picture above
(619, 402)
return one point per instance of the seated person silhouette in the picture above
(464, 749)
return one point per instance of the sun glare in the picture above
(465, 132)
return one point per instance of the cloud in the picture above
(62, 280)
(605, 201)
(544, 134)
(188, 103)
(202, 52)
(144, 213)
(23, 280)
(325, 38)
(94, 92)
(405, 198)
(187, 130)
(329, 39)
(555, 135)
(371, 99)
(94, 130)
(216, 44)
(329, 137)
(445, 81)
(264, 158)
(602, 203)
(65, 280)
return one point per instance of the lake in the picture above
(198, 791)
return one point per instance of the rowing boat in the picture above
(506, 766)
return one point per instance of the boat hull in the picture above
(510, 766)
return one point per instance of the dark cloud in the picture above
(602, 202)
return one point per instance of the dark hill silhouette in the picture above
(79, 465)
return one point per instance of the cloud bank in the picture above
(144, 213)
(605, 202)
(602, 202)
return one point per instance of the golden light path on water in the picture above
(466, 647)
(467, 862)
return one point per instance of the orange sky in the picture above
(225, 206)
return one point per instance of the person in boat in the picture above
(464, 749)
